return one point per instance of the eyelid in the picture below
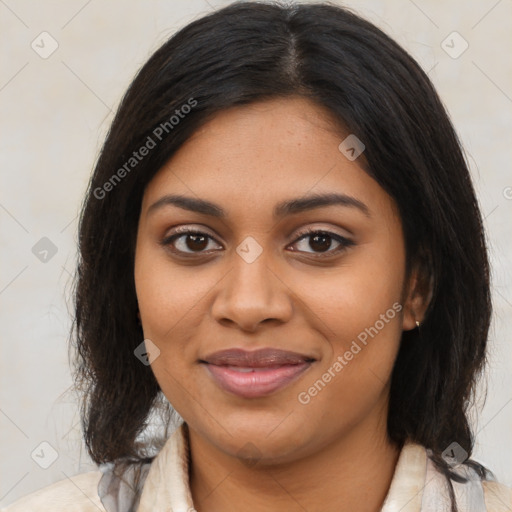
(315, 229)
(188, 228)
(205, 231)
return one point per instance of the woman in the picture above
(282, 242)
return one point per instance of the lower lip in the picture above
(257, 383)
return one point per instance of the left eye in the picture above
(321, 241)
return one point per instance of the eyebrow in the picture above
(288, 207)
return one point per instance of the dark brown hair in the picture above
(248, 52)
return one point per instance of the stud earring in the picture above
(417, 324)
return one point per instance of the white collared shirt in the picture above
(417, 486)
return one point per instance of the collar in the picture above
(166, 488)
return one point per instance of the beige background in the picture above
(54, 115)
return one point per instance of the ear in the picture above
(418, 293)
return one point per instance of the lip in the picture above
(252, 374)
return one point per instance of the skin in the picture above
(333, 453)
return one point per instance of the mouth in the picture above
(253, 374)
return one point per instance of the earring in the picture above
(417, 324)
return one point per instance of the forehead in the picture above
(256, 155)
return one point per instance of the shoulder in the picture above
(473, 493)
(419, 485)
(74, 494)
(498, 497)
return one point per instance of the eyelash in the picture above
(181, 232)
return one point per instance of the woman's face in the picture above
(329, 306)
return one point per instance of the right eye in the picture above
(187, 241)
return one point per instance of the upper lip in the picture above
(260, 358)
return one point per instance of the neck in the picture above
(351, 473)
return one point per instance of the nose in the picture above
(252, 293)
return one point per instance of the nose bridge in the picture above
(250, 274)
(251, 292)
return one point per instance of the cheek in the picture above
(361, 318)
(166, 296)
(172, 307)
(351, 299)
(353, 380)
(166, 303)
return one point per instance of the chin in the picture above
(256, 442)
